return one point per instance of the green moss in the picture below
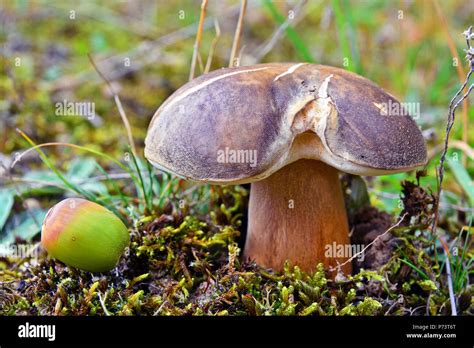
(428, 285)
(368, 307)
(188, 264)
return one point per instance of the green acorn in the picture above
(84, 235)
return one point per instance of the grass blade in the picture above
(141, 183)
(6, 197)
(345, 25)
(301, 49)
(419, 271)
(463, 178)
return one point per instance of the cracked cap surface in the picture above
(238, 125)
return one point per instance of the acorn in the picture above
(84, 235)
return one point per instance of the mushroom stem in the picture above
(298, 214)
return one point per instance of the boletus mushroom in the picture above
(289, 130)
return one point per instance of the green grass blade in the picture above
(345, 25)
(419, 271)
(56, 171)
(459, 271)
(352, 36)
(71, 186)
(463, 178)
(141, 182)
(151, 174)
(301, 48)
(6, 199)
(78, 147)
(112, 182)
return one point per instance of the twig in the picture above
(399, 300)
(459, 69)
(453, 105)
(237, 35)
(197, 42)
(201, 64)
(102, 303)
(370, 244)
(160, 308)
(119, 106)
(241, 52)
(450, 283)
(213, 47)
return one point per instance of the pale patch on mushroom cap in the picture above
(280, 112)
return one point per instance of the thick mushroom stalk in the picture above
(296, 214)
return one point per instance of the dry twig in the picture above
(213, 47)
(102, 303)
(237, 35)
(370, 244)
(459, 69)
(119, 106)
(453, 105)
(197, 42)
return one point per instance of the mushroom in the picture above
(288, 129)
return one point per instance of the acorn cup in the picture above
(84, 235)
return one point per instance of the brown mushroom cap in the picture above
(281, 112)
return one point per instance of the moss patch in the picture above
(183, 263)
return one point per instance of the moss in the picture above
(368, 307)
(428, 285)
(181, 262)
